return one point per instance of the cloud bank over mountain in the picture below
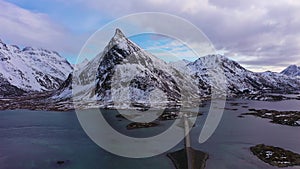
(256, 33)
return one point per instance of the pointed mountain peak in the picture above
(118, 38)
(121, 41)
(118, 31)
(119, 34)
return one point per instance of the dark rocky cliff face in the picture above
(8, 90)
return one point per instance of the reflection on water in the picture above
(38, 139)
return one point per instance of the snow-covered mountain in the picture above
(292, 70)
(32, 69)
(240, 80)
(124, 75)
(125, 67)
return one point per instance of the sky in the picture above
(259, 34)
(170, 49)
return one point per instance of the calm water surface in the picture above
(38, 139)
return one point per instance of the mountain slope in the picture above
(6, 89)
(240, 80)
(292, 70)
(128, 76)
(32, 69)
(64, 92)
(180, 65)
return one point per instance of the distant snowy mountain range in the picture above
(29, 69)
(241, 80)
(124, 58)
(292, 70)
(137, 71)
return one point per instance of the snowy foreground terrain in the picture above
(126, 76)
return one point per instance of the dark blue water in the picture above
(38, 139)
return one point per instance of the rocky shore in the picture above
(35, 101)
(289, 118)
(272, 97)
(276, 156)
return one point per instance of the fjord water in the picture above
(38, 139)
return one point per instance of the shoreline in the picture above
(42, 101)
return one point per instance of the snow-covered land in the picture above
(31, 69)
(292, 70)
(240, 80)
(124, 75)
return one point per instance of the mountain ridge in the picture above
(107, 75)
(125, 67)
(241, 80)
(292, 70)
(32, 69)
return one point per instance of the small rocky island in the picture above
(290, 118)
(169, 115)
(136, 125)
(276, 156)
(173, 115)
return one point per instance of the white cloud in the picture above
(172, 50)
(240, 27)
(26, 28)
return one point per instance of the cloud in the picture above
(256, 32)
(24, 27)
(266, 31)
